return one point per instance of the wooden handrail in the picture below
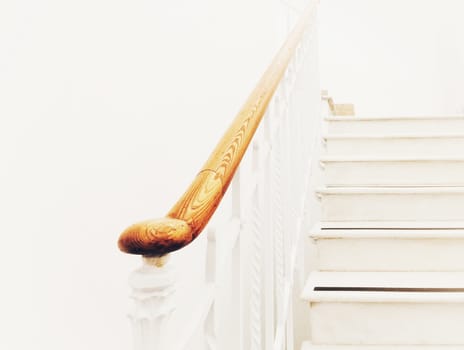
(193, 210)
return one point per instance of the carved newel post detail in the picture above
(153, 293)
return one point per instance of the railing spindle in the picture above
(210, 276)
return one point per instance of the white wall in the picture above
(107, 111)
(399, 57)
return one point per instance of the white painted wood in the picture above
(196, 324)
(278, 225)
(422, 145)
(392, 224)
(228, 288)
(389, 250)
(391, 217)
(387, 323)
(255, 305)
(414, 233)
(290, 185)
(383, 171)
(153, 291)
(392, 204)
(210, 278)
(395, 125)
(382, 279)
(309, 346)
(428, 318)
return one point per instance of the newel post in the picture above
(153, 293)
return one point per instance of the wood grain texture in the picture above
(155, 237)
(194, 209)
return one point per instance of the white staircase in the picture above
(390, 243)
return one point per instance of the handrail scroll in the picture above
(188, 217)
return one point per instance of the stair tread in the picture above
(398, 118)
(319, 233)
(333, 225)
(414, 287)
(391, 190)
(308, 346)
(389, 279)
(442, 135)
(326, 159)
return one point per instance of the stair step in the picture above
(309, 346)
(371, 250)
(384, 204)
(369, 126)
(418, 282)
(414, 225)
(386, 308)
(431, 145)
(388, 171)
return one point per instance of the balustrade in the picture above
(253, 252)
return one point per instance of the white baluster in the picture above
(210, 276)
(267, 238)
(153, 289)
(277, 222)
(256, 277)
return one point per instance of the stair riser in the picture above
(392, 207)
(375, 254)
(372, 127)
(403, 147)
(394, 173)
(387, 323)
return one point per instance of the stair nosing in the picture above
(334, 136)
(308, 345)
(359, 159)
(391, 190)
(407, 225)
(399, 118)
(319, 233)
(451, 281)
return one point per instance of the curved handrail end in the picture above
(154, 238)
